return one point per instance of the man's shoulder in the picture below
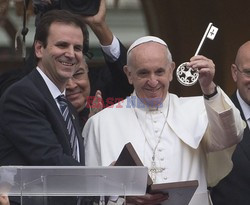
(25, 88)
(8, 78)
(234, 99)
(24, 85)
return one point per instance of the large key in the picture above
(185, 74)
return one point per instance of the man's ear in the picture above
(234, 72)
(127, 71)
(38, 46)
(172, 67)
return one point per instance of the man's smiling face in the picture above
(61, 56)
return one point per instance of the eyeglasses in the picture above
(245, 71)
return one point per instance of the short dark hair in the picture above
(63, 16)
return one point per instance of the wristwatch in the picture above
(207, 97)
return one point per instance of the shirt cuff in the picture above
(112, 50)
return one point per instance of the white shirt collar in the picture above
(55, 92)
(244, 106)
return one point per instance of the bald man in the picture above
(235, 188)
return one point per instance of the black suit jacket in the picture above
(121, 87)
(235, 187)
(111, 79)
(32, 129)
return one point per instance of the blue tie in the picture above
(67, 116)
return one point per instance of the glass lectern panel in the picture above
(72, 181)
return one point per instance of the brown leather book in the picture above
(180, 193)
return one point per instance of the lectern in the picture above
(72, 181)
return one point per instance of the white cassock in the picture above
(186, 133)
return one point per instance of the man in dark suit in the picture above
(235, 188)
(110, 79)
(33, 130)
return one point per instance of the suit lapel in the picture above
(245, 143)
(43, 89)
(62, 134)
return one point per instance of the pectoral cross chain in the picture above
(154, 170)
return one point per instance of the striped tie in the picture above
(67, 116)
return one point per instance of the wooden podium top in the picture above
(180, 193)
